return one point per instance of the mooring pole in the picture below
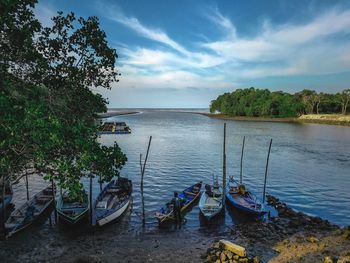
(100, 184)
(3, 205)
(141, 163)
(240, 173)
(90, 198)
(267, 165)
(144, 164)
(54, 200)
(224, 164)
(27, 185)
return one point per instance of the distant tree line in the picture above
(264, 103)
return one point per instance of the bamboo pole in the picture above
(3, 204)
(141, 163)
(267, 165)
(54, 200)
(27, 185)
(100, 184)
(144, 164)
(90, 198)
(240, 173)
(224, 164)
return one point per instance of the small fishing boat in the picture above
(8, 196)
(211, 203)
(188, 197)
(72, 211)
(245, 201)
(112, 202)
(31, 212)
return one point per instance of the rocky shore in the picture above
(290, 237)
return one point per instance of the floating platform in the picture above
(114, 128)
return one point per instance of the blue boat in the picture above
(112, 202)
(245, 201)
(188, 196)
(72, 211)
(8, 197)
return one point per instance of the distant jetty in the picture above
(115, 113)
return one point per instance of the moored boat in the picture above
(112, 202)
(188, 197)
(8, 195)
(31, 212)
(211, 201)
(72, 211)
(245, 201)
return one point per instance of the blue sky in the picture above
(184, 53)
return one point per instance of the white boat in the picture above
(113, 201)
(211, 201)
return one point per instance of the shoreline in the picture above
(115, 113)
(317, 119)
(291, 237)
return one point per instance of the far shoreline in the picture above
(328, 119)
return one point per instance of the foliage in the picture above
(263, 103)
(47, 108)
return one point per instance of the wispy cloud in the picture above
(318, 46)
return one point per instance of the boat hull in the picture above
(114, 216)
(189, 201)
(72, 221)
(208, 210)
(233, 202)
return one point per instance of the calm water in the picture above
(309, 164)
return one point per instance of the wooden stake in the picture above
(90, 198)
(54, 200)
(141, 163)
(240, 173)
(267, 165)
(100, 184)
(27, 185)
(224, 164)
(3, 204)
(144, 164)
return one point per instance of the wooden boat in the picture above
(188, 197)
(211, 201)
(33, 211)
(72, 211)
(245, 201)
(8, 196)
(112, 202)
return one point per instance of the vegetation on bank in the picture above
(47, 110)
(264, 103)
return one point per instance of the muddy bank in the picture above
(343, 120)
(291, 237)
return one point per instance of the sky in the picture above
(183, 53)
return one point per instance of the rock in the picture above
(235, 257)
(217, 261)
(209, 258)
(216, 245)
(222, 257)
(312, 239)
(327, 260)
(346, 234)
(243, 260)
(229, 254)
(218, 253)
(256, 259)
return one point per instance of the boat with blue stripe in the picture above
(245, 201)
